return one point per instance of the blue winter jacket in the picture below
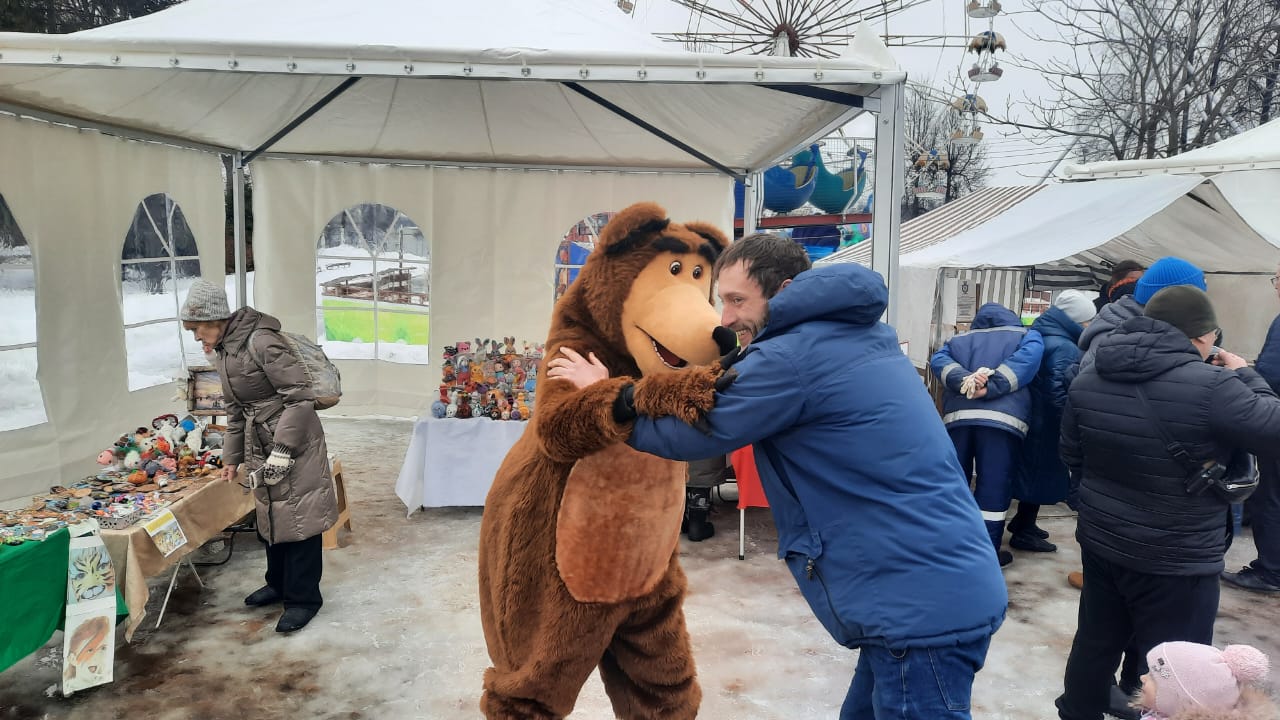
(1000, 342)
(1041, 478)
(874, 515)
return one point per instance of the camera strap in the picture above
(1175, 448)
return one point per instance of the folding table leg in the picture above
(173, 579)
(742, 533)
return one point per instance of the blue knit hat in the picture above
(1167, 272)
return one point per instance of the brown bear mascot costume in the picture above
(579, 539)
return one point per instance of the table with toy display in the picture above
(452, 462)
(204, 510)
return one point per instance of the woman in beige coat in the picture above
(274, 431)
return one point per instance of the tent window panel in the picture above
(574, 248)
(373, 286)
(158, 263)
(150, 291)
(155, 353)
(21, 403)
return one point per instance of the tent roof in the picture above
(1094, 223)
(1255, 149)
(484, 81)
(944, 222)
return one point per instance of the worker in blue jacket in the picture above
(986, 405)
(874, 515)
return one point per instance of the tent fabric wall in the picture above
(493, 235)
(74, 194)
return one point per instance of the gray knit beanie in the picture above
(1185, 307)
(205, 301)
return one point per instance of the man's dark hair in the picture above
(1122, 268)
(771, 260)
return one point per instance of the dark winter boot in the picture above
(697, 511)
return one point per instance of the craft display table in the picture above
(33, 593)
(452, 462)
(203, 511)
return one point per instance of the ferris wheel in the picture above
(786, 28)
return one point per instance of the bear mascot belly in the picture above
(579, 566)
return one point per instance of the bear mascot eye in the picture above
(697, 271)
(675, 267)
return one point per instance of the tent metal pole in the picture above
(238, 215)
(616, 110)
(328, 98)
(750, 187)
(886, 215)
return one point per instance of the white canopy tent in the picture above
(494, 124)
(1210, 208)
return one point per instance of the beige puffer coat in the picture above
(269, 402)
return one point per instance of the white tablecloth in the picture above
(453, 462)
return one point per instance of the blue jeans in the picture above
(915, 684)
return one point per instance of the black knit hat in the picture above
(1185, 307)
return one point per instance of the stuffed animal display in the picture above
(578, 542)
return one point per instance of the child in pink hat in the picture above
(1190, 681)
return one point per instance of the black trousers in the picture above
(294, 570)
(1264, 510)
(1118, 605)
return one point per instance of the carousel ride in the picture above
(831, 177)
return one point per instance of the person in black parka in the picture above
(1151, 550)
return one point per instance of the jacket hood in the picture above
(845, 293)
(1109, 318)
(1143, 348)
(994, 315)
(241, 325)
(1054, 322)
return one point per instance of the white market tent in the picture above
(1213, 207)
(494, 124)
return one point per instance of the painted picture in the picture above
(88, 650)
(90, 574)
(204, 391)
(166, 533)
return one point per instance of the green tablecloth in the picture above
(33, 595)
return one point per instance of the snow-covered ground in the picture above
(155, 351)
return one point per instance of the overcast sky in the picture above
(1014, 158)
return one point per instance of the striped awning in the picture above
(944, 222)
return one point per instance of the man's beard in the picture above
(750, 328)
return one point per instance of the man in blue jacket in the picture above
(874, 516)
(986, 406)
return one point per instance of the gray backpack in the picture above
(326, 381)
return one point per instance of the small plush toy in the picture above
(132, 459)
(440, 407)
(464, 407)
(452, 409)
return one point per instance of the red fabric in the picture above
(750, 494)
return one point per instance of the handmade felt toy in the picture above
(579, 537)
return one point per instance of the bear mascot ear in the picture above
(632, 226)
(710, 233)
